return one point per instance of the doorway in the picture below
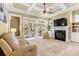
(15, 24)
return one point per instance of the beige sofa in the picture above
(17, 50)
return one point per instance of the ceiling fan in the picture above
(45, 11)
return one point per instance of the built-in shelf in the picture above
(75, 26)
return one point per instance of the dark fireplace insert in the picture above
(60, 35)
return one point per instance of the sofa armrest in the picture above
(26, 51)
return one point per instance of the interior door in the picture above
(15, 23)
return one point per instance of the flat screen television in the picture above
(60, 22)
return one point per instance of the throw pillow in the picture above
(12, 40)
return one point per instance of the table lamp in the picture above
(13, 29)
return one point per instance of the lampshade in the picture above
(13, 29)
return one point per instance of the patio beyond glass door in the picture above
(29, 28)
(33, 29)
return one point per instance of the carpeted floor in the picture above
(51, 47)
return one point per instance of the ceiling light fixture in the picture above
(44, 11)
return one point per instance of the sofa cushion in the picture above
(12, 40)
(5, 47)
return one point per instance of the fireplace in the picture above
(60, 35)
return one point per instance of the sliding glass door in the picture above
(33, 28)
(28, 28)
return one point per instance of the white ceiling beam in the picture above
(36, 8)
(25, 4)
(9, 5)
(72, 8)
(31, 7)
(61, 5)
(33, 19)
(23, 12)
(56, 4)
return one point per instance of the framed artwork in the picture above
(2, 13)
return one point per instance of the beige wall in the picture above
(3, 28)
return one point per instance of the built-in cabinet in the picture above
(75, 36)
(75, 27)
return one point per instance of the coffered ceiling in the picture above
(37, 8)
